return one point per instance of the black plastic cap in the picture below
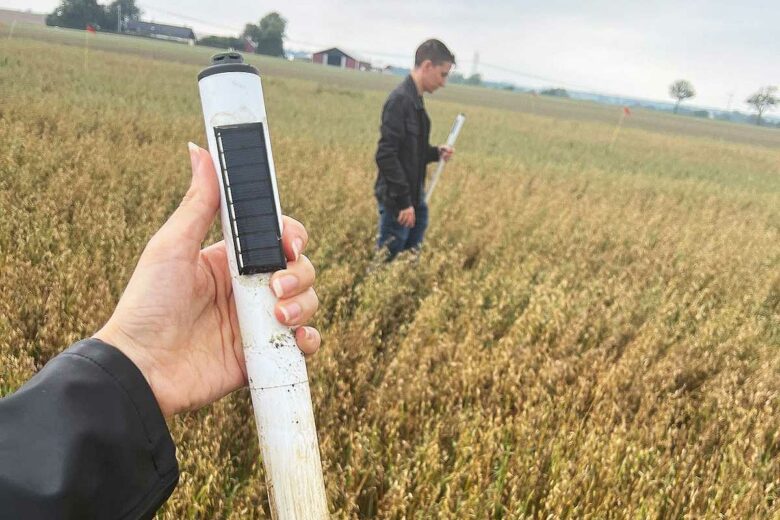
(227, 57)
(227, 62)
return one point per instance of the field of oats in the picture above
(589, 332)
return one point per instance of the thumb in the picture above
(187, 227)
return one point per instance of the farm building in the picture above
(336, 57)
(161, 31)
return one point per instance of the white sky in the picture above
(633, 48)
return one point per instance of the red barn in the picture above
(336, 57)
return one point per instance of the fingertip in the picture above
(194, 156)
(294, 238)
(277, 289)
(204, 155)
(189, 224)
(203, 175)
(308, 339)
(297, 247)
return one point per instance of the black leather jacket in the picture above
(85, 438)
(404, 149)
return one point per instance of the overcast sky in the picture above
(727, 49)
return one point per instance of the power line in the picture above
(186, 17)
(537, 77)
(362, 51)
(290, 40)
(404, 58)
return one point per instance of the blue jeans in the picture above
(397, 238)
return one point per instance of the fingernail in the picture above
(284, 284)
(194, 154)
(307, 333)
(297, 246)
(291, 311)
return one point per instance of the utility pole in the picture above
(475, 63)
(118, 17)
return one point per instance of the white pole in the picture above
(456, 126)
(236, 127)
(617, 128)
(118, 17)
(13, 26)
(86, 47)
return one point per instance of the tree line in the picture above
(266, 37)
(761, 101)
(77, 14)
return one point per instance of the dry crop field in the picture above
(588, 333)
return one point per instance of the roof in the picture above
(355, 56)
(160, 29)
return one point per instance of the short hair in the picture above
(433, 50)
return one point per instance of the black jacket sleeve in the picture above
(392, 135)
(85, 438)
(433, 154)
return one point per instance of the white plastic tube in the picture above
(454, 131)
(276, 367)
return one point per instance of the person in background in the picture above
(86, 436)
(404, 151)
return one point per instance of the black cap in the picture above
(227, 62)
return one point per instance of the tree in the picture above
(456, 77)
(474, 79)
(76, 14)
(763, 100)
(680, 90)
(222, 42)
(251, 31)
(126, 8)
(269, 34)
(555, 92)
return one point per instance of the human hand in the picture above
(446, 152)
(406, 217)
(177, 318)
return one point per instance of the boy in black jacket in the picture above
(404, 151)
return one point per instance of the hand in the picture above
(446, 152)
(406, 217)
(177, 319)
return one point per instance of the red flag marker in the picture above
(623, 114)
(90, 30)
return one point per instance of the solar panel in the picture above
(249, 194)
